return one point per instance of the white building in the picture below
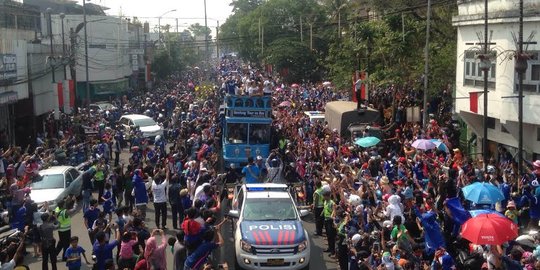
(502, 86)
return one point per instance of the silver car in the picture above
(54, 184)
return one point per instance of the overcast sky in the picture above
(187, 11)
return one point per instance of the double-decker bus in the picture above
(246, 128)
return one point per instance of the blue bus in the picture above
(246, 124)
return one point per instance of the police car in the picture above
(268, 231)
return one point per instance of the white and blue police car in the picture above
(268, 231)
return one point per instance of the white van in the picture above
(149, 128)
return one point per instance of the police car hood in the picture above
(287, 232)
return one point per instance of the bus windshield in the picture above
(237, 133)
(259, 134)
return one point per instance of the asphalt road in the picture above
(319, 259)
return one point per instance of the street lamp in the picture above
(62, 16)
(87, 84)
(159, 21)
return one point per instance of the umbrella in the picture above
(440, 145)
(423, 144)
(475, 213)
(489, 229)
(285, 104)
(326, 83)
(367, 141)
(294, 85)
(482, 193)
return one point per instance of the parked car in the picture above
(101, 106)
(149, 128)
(54, 184)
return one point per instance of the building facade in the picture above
(502, 113)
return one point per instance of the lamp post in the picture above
(87, 83)
(159, 21)
(62, 16)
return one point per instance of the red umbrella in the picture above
(294, 85)
(489, 229)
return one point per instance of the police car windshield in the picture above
(258, 209)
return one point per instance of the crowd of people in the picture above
(381, 207)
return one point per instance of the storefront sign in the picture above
(8, 67)
(8, 98)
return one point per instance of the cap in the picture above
(511, 204)
(259, 158)
(536, 164)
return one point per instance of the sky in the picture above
(187, 11)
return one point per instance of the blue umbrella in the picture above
(367, 141)
(475, 213)
(482, 193)
(440, 145)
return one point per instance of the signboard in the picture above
(8, 98)
(8, 67)
(136, 51)
(413, 114)
(239, 113)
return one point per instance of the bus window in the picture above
(249, 103)
(239, 102)
(259, 103)
(259, 134)
(237, 133)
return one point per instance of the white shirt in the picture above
(159, 191)
(199, 192)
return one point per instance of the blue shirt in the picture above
(91, 215)
(201, 252)
(252, 173)
(73, 253)
(104, 253)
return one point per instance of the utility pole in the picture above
(49, 11)
(73, 70)
(301, 31)
(521, 67)
(177, 25)
(87, 83)
(62, 16)
(262, 39)
(426, 66)
(206, 35)
(217, 40)
(485, 67)
(311, 36)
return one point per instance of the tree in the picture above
(199, 30)
(295, 57)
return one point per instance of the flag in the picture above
(355, 77)
(60, 89)
(363, 90)
(71, 84)
(473, 102)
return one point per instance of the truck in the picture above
(268, 230)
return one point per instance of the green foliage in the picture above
(389, 46)
(175, 54)
(295, 57)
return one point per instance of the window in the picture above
(474, 76)
(259, 134)
(531, 78)
(491, 122)
(503, 129)
(237, 133)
